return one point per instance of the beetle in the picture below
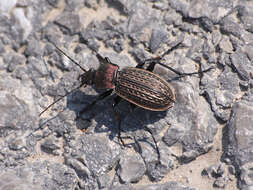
(141, 87)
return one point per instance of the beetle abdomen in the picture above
(144, 89)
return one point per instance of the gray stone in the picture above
(139, 54)
(249, 187)
(216, 37)
(121, 60)
(158, 37)
(239, 137)
(40, 176)
(24, 21)
(11, 33)
(226, 45)
(17, 144)
(157, 171)
(20, 73)
(91, 4)
(73, 5)
(237, 43)
(10, 181)
(122, 187)
(222, 93)
(142, 17)
(165, 186)
(205, 125)
(215, 171)
(98, 152)
(14, 60)
(117, 45)
(162, 5)
(208, 51)
(34, 48)
(93, 31)
(53, 2)
(207, 24)
(62, 62)
(104, 181)
(51, 33)
(172, 17)
(50, 145)
(2, 49)
(213, 10)
(194, 51)
(81, 170)
(6, 6)
(173, 135)
(220, 183)
(49, 49)
(246, 17)
(249, 52)
(242, 64)
(210, 171)
(69, 23)
(231, 169)
(36, 68)
(180, 6)
(124, 6)
(131, 168)
(13, 111)
(228, 26)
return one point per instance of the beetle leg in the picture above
(153, 61)
(184, 74)
(157, 60)
(99, 98)
(133, 106)
(117, 100)
(156, 147)
(150, 62)
(117, 117)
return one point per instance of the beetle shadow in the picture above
(103, 118)
(138, 121)
(100, 116)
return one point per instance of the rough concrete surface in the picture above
(204, 141)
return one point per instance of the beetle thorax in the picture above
(105, 76)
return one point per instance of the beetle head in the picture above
(88, 77)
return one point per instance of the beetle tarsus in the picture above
(156, 146)
(117, 117)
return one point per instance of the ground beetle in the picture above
(138, 86)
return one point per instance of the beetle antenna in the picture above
(71, 90)
(60, 99)
(69, 57)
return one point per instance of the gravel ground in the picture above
(204, 139)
